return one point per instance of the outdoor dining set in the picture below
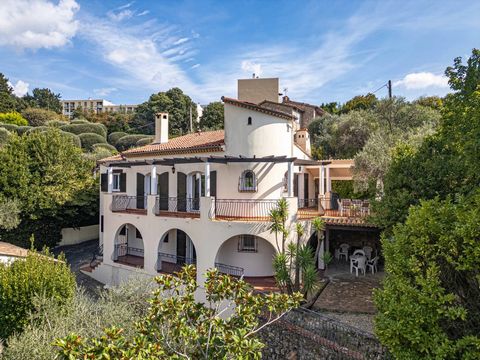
(360, 260)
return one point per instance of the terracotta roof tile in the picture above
(255, 107)
(12, 250)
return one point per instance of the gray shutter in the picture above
(213, 184)
(123, 182)
(104, 182)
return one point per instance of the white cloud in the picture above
(422, 80)
(35, 24)
(121, 15)
(195, 66)
(104, 91)
(143, 13)
(250, 66)
(20, 88)
(180, 41)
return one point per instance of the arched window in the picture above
(249, 121)
(247, 181)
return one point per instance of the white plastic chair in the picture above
(358, 264)
(358, 252)
(368, 251)
(344, 251)
(372, 264)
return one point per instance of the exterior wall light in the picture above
(173, 169)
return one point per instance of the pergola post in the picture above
(153, 181)
(207, 179)
(110, 179)
(290, 179)
(322, 180)
(329, 180)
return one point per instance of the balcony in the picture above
(170, 263)
(231, 270)
(129, 204)
(243, 209)
(177, 207)
(126, 255)
(308, 209)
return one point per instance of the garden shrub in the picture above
(121, 306)
(129, 141)
(105, 146)
(90, 139)
(22, 280)
(37, 129)
(39, 117)
(10, 127)
(72, 137)
(4, 135)
(78, 129)
(14, 118)
(80, 121)
(145, 141)
(115, 136)
(56, 123)
(22, 129)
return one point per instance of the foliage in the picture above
(115, 136)
(105, 146)
(86, 315)
(13, 118)
(20, 281)
(78, 129)
(74, 139)
(44, 99)
(332, 107)
(10, 127)
(320, 130)
(90, 139)
(144, 141)
(113, 121)
(79, 121)
(22, 129)
(175, 103)
(278, 218)
(44, 173)
(4, 135)
(428, 308)
(129, 141)
(9, 214)
(465, 78)
(433, 102)
(178, 327)
(56, 123)
(37, 129)
(212, 117)
(8, 101)
(39, 117)
(360, 102)
(346, 190)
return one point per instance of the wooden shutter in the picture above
(123, 182)
(213, 183)
(104, 182)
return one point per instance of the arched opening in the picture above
(128, 246)
(175, 250)
(246, 255)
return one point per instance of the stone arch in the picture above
(174, 250)
(128, 246)
(246, 254)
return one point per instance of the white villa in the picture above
(204, 198)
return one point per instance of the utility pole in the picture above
(389, 84)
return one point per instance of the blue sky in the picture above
(322, 51)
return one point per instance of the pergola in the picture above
(212, 160)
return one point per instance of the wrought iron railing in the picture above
(125, 202)
(243, 209)
(307, 203)
(308, 208)
(352, 208)
(170, 263)
(176, 204)
(230, 269)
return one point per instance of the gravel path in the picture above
(360, 321)
(77, 256)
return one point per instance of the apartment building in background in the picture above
(96, 105)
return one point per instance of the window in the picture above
(248, 181)
(247, 243)
(116, 182)
(249, 121)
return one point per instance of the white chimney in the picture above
(161, 128)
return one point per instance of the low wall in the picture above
(72, 236)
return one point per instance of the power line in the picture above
(388, 85)
(381, 87)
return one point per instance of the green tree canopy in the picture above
(360, 102)
(44, 99)
(8, 101)
(465, 78)
(212, 117)
(39, 117)
(178, 106)
(13, 118)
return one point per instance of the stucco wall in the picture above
(72, 236)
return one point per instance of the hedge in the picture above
(22, 280)
(79, 121)
(13, 118)
(37, 129)
(22, 129)
(9, 127)
(56, 123)
(4, 135)
(73, 138)
(115, 136)
(145, 141)
(129, 141)
(105, 146)
(90, 139)
(39, 117)
(78, 129)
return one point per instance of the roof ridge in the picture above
(258, 108)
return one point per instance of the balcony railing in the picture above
(128, 255)
(125, 203)
(175, 206)
(242, 209)
(308, 208)
(351, 208)
(230, 269)
(171, 263)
